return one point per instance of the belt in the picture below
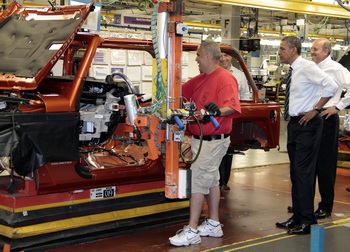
(212, 137)
(296, 117)
(300, 116)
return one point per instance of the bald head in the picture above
(320, 50)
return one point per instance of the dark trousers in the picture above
(326, 166)
(302, 145)
(225, 169)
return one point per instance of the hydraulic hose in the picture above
(200, 144)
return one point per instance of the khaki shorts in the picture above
(205, 170)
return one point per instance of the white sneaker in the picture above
(186, 236)
(208, 228)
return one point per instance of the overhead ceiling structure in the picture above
(294, 6)
(274, 16)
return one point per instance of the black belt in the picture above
(296, 117)
(212, 137)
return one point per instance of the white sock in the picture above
(213, 222)
(192, 229)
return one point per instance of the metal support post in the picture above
(317, 238)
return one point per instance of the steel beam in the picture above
(295, 6)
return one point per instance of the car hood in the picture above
(33, 39)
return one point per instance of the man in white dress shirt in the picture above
(327, 156)
(243, 94)
(309, 90)
(243, 87)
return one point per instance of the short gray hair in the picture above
(213, 48)
(327, 45)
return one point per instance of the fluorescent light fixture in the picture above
(195, 28)
(270, 42)
(300, 21)
(324, 1)
(306, 44)
(338, 47)
(327, 2)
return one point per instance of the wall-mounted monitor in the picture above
(272, 59)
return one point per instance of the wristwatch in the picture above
(317, 109)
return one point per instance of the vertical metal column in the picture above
(174, 8)
(162, 34)
(317, 238)
(230, 23)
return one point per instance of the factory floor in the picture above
(259, 196)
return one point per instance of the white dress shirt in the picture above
(341, 76)
(308, 84)
(243, 87)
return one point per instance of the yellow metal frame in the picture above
(75, 202)
(296, 6)
(268, 31)
(294, 33)
(84, 221)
